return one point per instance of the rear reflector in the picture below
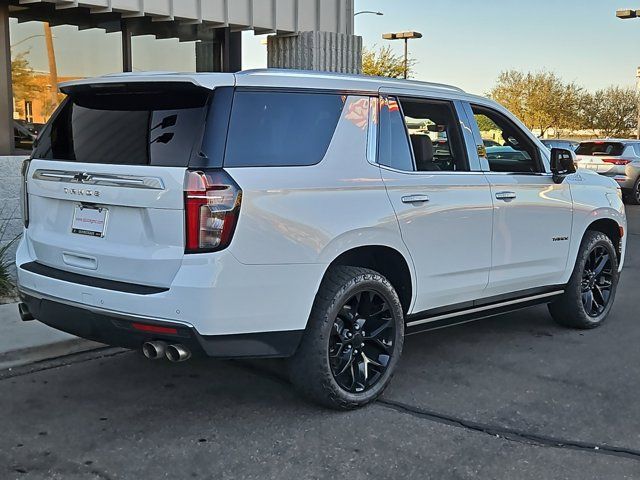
(24, 195)
(616, 161)
(143, 327)
(212, 204)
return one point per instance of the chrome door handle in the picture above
(506, 195)
(415, 199)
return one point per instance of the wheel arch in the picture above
(611, 228)
(385, 260)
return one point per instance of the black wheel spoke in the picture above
(346, 366)
(602, 262)
(361, 375)
(379, 344)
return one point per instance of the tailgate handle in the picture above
(80, 261)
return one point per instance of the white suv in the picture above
(315, 216)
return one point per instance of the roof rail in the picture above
(312, 73)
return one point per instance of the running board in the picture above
(437, 318)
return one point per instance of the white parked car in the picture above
(616, 159)
(291, 214)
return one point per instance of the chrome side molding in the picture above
(101, 179)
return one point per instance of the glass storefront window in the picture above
(42, 57)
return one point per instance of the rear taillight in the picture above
(616, 161)
(24, 195)
(212, 204)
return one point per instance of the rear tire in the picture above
(353, 340)
(590, 293)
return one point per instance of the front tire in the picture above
(353, 340)
(591, 290)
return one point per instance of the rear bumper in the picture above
(627, 179)
(116, 329)
(214, 294)
(625, 183)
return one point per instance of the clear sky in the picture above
(466, 42)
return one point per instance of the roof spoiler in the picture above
(208, 81)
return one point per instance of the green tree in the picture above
(611, 112)
(541, 100)
(23, 79)
(384, 62)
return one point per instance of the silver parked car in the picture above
(559, 143)
(618, 159)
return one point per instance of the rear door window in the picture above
(271, 129)
(393, 145)
(435, 135)
(128, 124)
(600, 148)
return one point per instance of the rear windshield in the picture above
(600, 148)
(281, 129)
(147, 124)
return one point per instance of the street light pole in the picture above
(625, 15)
(53, 68)
(406, 36)
(638, 102)
(406, 58)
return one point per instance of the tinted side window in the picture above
(281, 128)
(515, 152)
(393, 145)
(636, 148)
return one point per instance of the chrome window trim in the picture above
(433, 173)
(526, 174)
(99, 179)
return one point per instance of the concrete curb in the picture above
(22, 343)
(25, 356)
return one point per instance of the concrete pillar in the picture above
(127, 56)
(6, 94)
(324, 51)
(222, 54)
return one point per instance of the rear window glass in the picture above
(281, 129)
(130, 125)
(600, 148)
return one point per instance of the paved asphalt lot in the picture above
(512, 397)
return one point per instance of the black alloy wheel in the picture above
(362, 341)
(597, 281)
(588, 297)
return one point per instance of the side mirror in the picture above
(563, 163)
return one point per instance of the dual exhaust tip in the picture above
(157, 350)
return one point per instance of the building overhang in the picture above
(190, 20)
